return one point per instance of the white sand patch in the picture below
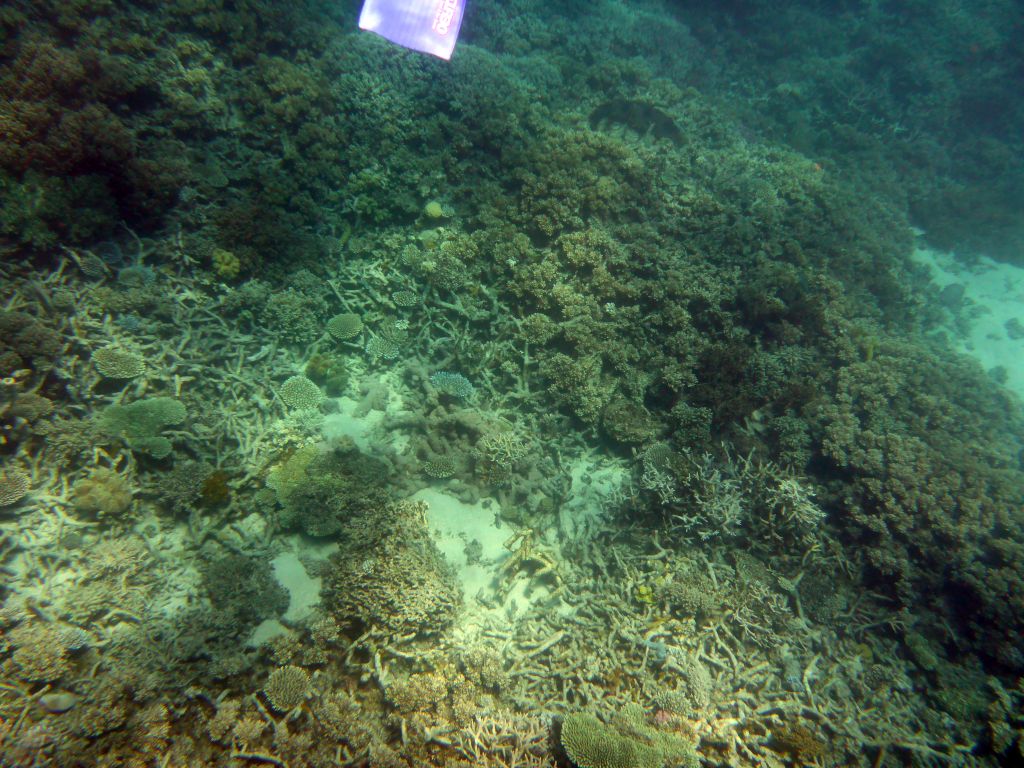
(471, 538)
(267, 631)
(993, 295)
(345, 423)
(303, 590)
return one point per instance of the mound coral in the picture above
(627, 742)
(104, 493)
(286, 688)
(299, 393)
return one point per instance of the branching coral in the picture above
(390, 575)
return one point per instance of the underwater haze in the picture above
(639, 388)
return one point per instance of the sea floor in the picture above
(117, 651)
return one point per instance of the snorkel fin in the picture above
(430, 26)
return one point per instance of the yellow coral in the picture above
(434, 210)
(225, 264)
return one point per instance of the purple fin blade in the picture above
(430, 26)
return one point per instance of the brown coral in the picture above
(104, 493)
(391, 574)
(14, 485)
(40, 653)
(116, 363)
(286, 688)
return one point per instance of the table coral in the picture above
(14, 485)
(286, 688)
(117, 363)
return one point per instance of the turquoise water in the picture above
(640, 387)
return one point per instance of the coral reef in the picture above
(706, 484)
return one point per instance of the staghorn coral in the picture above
(503, 448)
(771, 509)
